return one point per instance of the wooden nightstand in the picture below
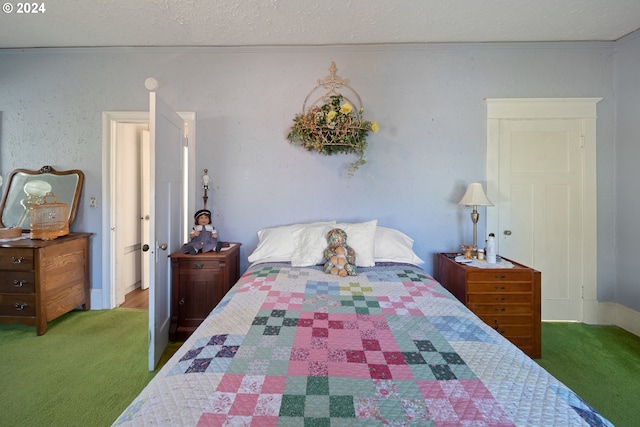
(198, 284)
(507, 299)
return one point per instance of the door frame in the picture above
(110, 119)
(583, 109)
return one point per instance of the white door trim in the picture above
(552, 108)
(106, 297)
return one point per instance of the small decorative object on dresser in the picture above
(198, 283)
(507, 299)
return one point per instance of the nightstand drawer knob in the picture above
(20, 307)
(198, 266)
(17, 260)
(19, 283)
(181, 302)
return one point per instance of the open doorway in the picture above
(123, 215)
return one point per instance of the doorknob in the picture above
(507, 232)
(145, 247)
(164, 246)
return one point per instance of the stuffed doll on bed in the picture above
(341, 258)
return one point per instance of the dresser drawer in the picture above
(504, 287)
(493, 276)
(500, 298)
(17, 282)
(512, 331)
(16, 259)
(17, 305)
(502, 319)
(199, 264)
(479, 309)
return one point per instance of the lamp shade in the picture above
(474, 196)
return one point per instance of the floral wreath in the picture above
(334, 126)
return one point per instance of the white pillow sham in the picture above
(276, 243)
(361, 237)
(309, 244)
(392, 245)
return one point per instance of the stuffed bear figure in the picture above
(341, 258)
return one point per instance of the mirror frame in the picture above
(72, 204)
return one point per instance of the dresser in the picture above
(41, 280)
(198, 283)
(507, 299)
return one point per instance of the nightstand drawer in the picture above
(502, 275)
(17, 282)
(479, 309)
(500, 298)
(499, 287)
(199, 264)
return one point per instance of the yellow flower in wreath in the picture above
(346, 108)
(331, 115)
(374, 127)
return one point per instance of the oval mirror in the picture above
(27, 187)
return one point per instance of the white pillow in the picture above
(309, 244)
(276, 243)
(361, 238)
(392, 245)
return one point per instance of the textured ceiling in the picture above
(77, 23)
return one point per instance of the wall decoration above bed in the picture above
(332, 122)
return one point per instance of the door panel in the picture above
(166, 131)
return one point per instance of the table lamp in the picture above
(474, 196)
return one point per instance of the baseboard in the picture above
(611, 313)
(96, 300)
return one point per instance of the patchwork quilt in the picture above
(291, 346)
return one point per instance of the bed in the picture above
(292, 346)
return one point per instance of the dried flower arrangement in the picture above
(334, 126)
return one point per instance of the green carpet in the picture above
(90, 365)
(83, 372)
(600, 363)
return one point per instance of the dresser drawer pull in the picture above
(17, 260)
(497, 326)
(501, 299)
(19, 283)
(500, 288)
(499, 276)
(20, 307)
(501, 309)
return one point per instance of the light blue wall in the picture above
(428, 100)
(627, 79)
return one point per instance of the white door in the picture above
(165, 216)
(541, 208)
(541, 178)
